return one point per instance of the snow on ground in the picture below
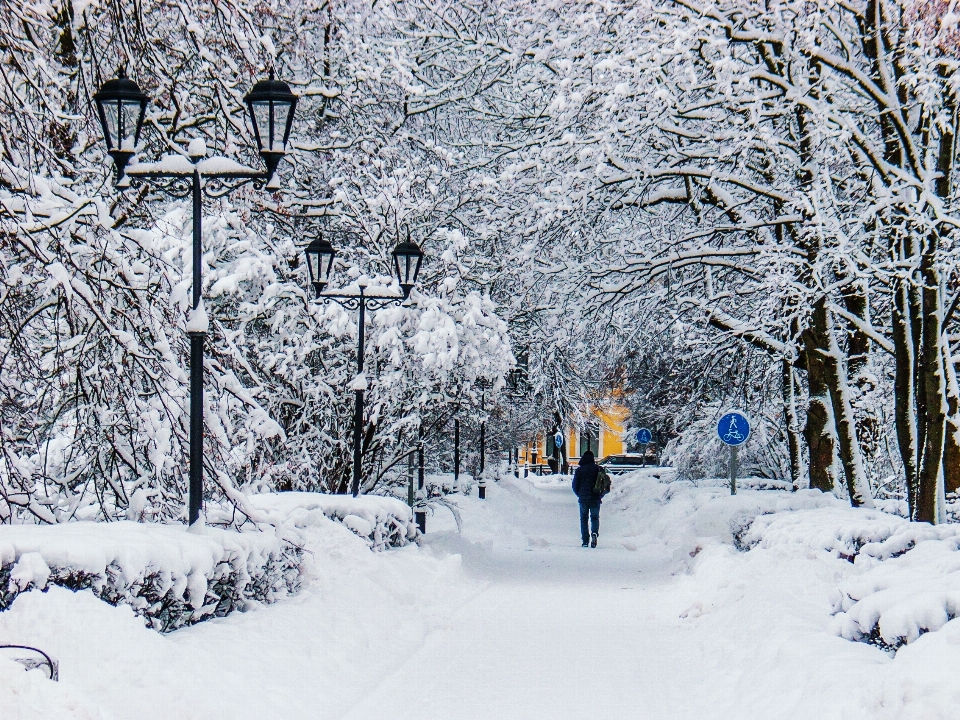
(513, 619)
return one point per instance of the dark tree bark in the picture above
(836, 379)
(793, 424)
(819, 430)
(933, 388)
(904, 388)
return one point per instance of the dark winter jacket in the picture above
(584, 480)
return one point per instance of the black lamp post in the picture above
(121, 107)
(407, 257)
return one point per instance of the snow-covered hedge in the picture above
(384, 522)
(839, 530)
(907, 579)
(910, 586)
(167, 574)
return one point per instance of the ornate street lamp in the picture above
(407, 257)
(121, 107)
(271, 105)
(320, 254)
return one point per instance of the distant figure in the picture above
(584, 485)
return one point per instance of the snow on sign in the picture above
(734, 428)
(644, 436)
(558, 440)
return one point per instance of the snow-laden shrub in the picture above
(907, 577)
(838, 530)
(384, 522)
(911, 586)
(169, 575)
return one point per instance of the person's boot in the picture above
(593, 540)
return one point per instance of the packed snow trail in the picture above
(511, 619)
(560, 631)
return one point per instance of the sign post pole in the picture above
(644, 436)
(733, 469)
(733, 430)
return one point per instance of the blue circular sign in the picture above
(733, 428)
(644, 436)
(558, 440)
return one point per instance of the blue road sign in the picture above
(644, 436)
(558, 440)
(734, 428)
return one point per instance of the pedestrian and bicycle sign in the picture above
(644, 436)
(558, 439)
(733, 428)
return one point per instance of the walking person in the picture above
(585, 487)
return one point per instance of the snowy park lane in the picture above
(511, 619)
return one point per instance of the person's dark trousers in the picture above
(594, 513)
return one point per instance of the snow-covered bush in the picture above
(911, 585)
(167, 574)
(907, 577)
(835, 530)
(384, 522)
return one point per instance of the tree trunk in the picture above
(951, 439)
(819, 429)
(836, 378)
(934, 386)
(904, 388)
(793, 425)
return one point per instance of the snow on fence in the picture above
(169, 575)
(384, 522)
(908, 582)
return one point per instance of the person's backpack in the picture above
(602, 485)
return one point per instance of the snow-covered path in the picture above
(510, 619)
(556, 628)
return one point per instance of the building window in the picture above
(589, 440)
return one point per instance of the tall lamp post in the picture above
(121, 107)
(407, 257)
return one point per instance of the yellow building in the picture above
(603, 435)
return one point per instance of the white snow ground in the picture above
(511, 619)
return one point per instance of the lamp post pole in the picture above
(482, 486)
(358, 409)
(456, 452)
(121, 107)
(407, 257)
(197, 340)
(421, 514)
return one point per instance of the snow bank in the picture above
(171, 576)
(384, 522)
(840, 530)
(906, 580)
(910, 585)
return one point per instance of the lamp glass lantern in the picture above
(407, 257)
(121, 107)
(271, 104)
(320, 254)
